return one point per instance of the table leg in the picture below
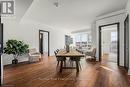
(61, 66)
(77, 65)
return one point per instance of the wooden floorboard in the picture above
(45, 74)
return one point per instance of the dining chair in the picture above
(57, 50)
(59, 59)
(73, 59)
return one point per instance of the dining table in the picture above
(73, 53)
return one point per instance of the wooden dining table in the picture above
(71, 54)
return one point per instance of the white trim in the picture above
(97, 59)
(1, 70)
(111, 14)
(129, 72)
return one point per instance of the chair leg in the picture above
(80, 65)
(58, 63)
(64, 63)
(72, 63)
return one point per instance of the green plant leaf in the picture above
(16, 47)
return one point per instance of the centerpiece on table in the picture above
(68, 41)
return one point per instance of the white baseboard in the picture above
(97, 59)
(129, 72)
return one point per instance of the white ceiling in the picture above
(71, 14)
(21, 7)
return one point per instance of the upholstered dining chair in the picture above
(59, 59)
(73, 59)
(57, 50)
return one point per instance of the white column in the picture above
(1, 70)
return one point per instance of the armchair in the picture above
(91, 53)
(34, 56)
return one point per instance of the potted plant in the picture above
(16, 48)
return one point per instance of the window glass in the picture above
(113, 36)
(82, 40)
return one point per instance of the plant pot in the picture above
(15, 61)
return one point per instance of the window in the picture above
(113, 36)
(82, 40)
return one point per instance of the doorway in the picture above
(109, 43)
(126, 42)
(44, 42)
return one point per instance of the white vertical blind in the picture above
(82, 37)
(113, 36)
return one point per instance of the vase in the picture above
(67, 48)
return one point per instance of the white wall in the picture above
(93, 33)
(29, 32)
(109, 19)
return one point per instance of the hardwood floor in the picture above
(45, 74)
